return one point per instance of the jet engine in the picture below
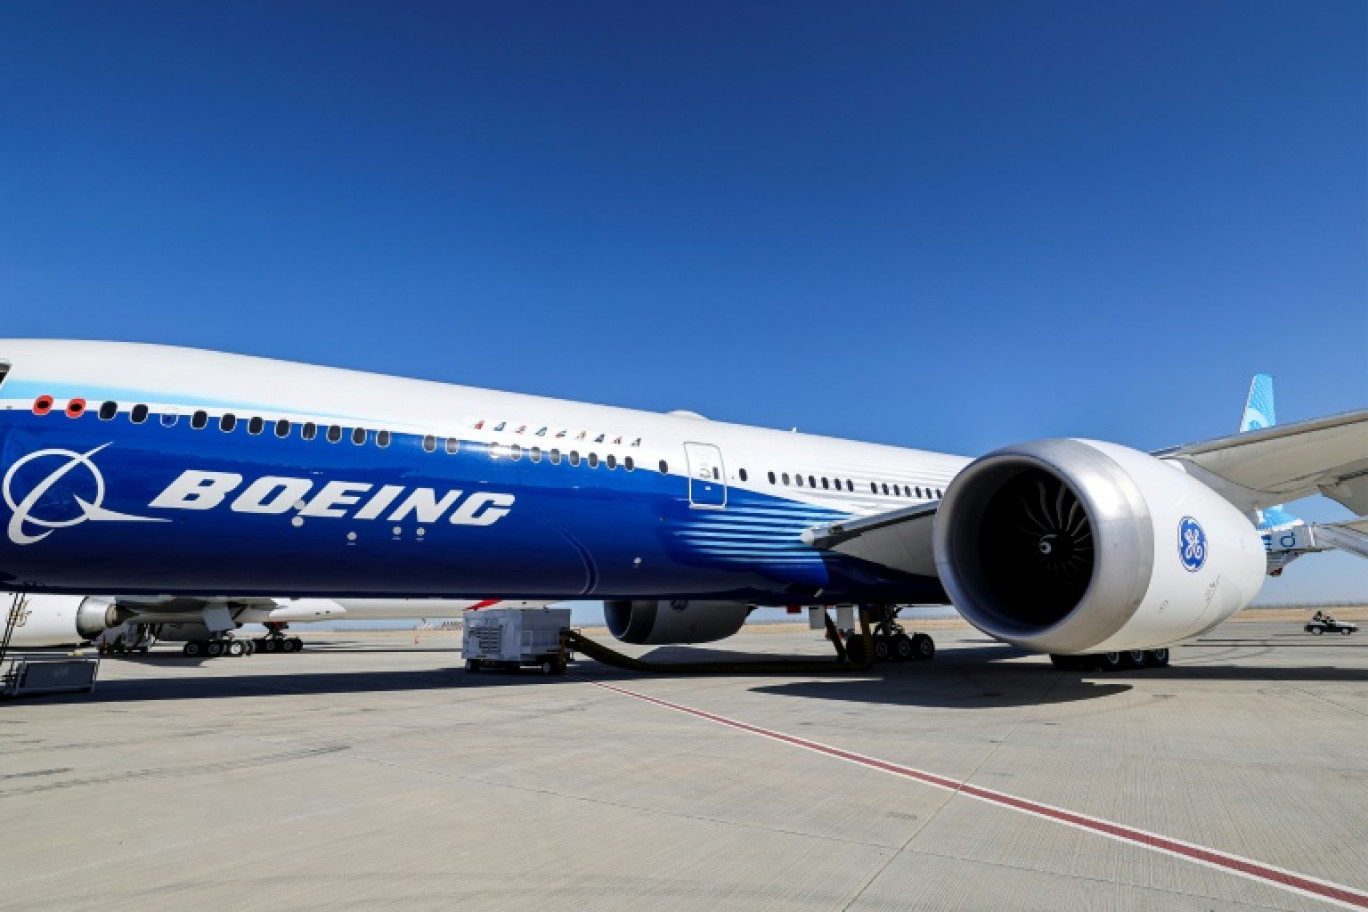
(1078, 546)
(657, 623)
(61, 620)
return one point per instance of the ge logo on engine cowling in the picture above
(31, 511)
(1192, 544)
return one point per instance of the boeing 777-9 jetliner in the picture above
(158, 472)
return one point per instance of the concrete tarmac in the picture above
(370, 773)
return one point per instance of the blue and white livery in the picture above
(153, 474)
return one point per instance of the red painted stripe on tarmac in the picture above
(1278, 877)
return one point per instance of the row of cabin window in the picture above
(309, 431)
(228, 422)
(515, 452)
(874, 486)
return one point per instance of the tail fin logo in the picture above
(25, 513)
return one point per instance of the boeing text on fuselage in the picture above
(204, 490)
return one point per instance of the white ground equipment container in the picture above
(515, 638)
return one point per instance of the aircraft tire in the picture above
(1157, 658)
(883, 650)
(923, 648)
(1110, 661)
(297, 643)
(903, 648)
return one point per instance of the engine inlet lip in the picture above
(1123, 546)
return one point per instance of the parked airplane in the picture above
(123, 624)
(136, 469)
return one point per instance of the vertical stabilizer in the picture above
(1258, 411)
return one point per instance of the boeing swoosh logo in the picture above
(22, 518)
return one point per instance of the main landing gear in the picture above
(218, 646)
(275, 640)
(891, 642)
(1113, 661)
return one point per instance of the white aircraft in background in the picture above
(135, 469)
(130, 625)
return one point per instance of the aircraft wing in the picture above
(1264, 468)
(899, 538)
(1252, 470)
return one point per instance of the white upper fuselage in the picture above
(805, 478)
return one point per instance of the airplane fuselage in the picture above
(137, 469)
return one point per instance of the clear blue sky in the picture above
(949, 225)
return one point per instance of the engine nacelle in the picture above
(656, 623)
(60, 620)
(1079, 546)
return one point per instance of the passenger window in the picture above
(771, 477)
(897, 490)
(535, 454)
(199, 420)
(4, 369)
(227, 422)
(798, 479)
(850, 486)
(629, 464)
(108, 410)
(309, 431)
(382, 438)
(940, 493)
(743, 474)
(138, 416)
(874, 487)
(664, 467)
(812, 482)
(169, 420)
(453, 446)
(429, 444)
(282, 428)
(574, 457)
(515, 451)
(786, 478)
(885, 487)
(826, 486)
(555, 457)
(593, 460)
(611, 461)
(334, 434)
(255, 425)
(358, 436)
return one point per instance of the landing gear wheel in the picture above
(236, 648)
(1134, 658)
(1157, 658)
(903, 649)
(287, 645)
(296, 644)
(1065, 663)
(1110, 661)
(192, 649)
(923, 648)
(214, 649)
(882, 649)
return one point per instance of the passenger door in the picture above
(707, 476)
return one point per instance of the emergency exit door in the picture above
(707, 476)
